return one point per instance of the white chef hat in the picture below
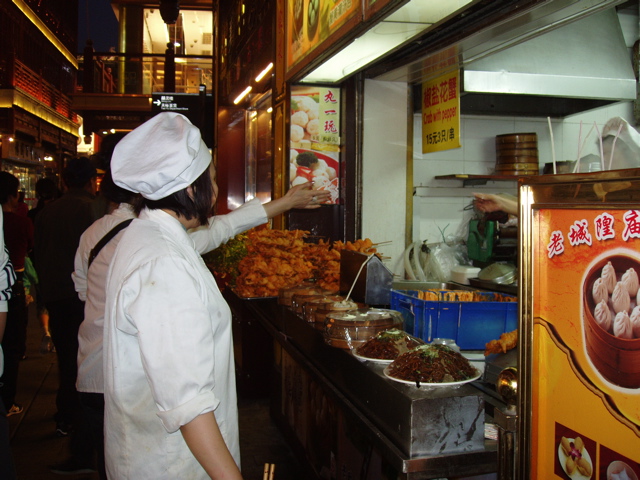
(162, 156)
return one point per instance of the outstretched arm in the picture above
(300, 196)
(489, 202)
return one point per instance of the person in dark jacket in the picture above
(58, 229)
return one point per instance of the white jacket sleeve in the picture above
(223, 227)
(81, 266)
(7, 279)
(7, 274)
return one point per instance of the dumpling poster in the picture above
(314, 153)
(586, 337)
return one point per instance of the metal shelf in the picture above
(470, 180)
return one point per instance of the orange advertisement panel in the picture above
(371, 7)
(586, 343)
(310, 22)
(315, 138)
(441, 113)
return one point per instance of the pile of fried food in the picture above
(506, 342)
(576, 460)
(445, 295)
(277, 259)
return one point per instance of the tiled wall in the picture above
(439, 204)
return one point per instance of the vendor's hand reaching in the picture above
(300, 196)
(303, 196)
(489, 202)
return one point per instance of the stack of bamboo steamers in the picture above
(517, 154)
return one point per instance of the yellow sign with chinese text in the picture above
(441, 113)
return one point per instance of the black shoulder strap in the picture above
(106, 239)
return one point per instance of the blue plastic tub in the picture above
(471, 324)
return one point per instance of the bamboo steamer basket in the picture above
(520, 166)
(617, 359)
(285, 295)
(298, 300)
(517, 138)
(517, 154)
(502, 147)
(331, 307)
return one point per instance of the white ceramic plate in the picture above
(367, 359)
(424, 384)
(563, 460)
(477, 360)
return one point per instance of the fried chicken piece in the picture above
(506, 342)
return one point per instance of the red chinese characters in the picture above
(604, 227)
(556, 244)
(579, 233)
(631, 225)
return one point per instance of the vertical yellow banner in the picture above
(441, 113)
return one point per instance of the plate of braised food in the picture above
(386, 346)
(432, 365)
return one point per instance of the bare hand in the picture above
(303, 196)
(489, 202)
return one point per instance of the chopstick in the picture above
(269, 470)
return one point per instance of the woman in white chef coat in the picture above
(170, 394)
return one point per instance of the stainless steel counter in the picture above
(423, 432)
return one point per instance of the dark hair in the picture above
(46, 189)
(181, 203)
(9, 185)
(113, 192)
(306, 159)
(78, 172)
(102, 158)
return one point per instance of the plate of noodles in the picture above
(386, 346)
(432, 366)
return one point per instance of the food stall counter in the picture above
(421, 433)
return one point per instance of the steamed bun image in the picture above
(297, 133)
(630, 280)
(304, 114)
(313, 127)
(603, 315)
(314, 112)
(300, 118)
(304, 103)
(634, 318)
(307, 167)
(609, 277)
(599, 291)
(617, 308)
(622, 325)
(620, 298)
